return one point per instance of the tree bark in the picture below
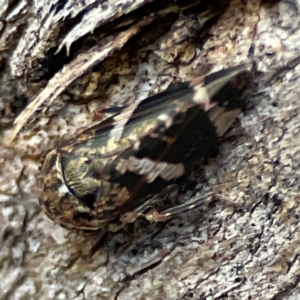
(61, 63)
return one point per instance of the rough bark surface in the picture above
(61, 63)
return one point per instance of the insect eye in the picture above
(80, 179)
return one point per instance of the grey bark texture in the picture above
(62, 62)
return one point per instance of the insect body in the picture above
(111, 170)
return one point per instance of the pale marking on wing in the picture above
(150, 169)
(168, 121)
(202, 98)
(120, 121)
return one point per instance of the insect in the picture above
(105, 177)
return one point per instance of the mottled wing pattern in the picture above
(114, 167)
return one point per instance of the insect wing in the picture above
(116, 165)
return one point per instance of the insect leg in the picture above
(154, 215)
